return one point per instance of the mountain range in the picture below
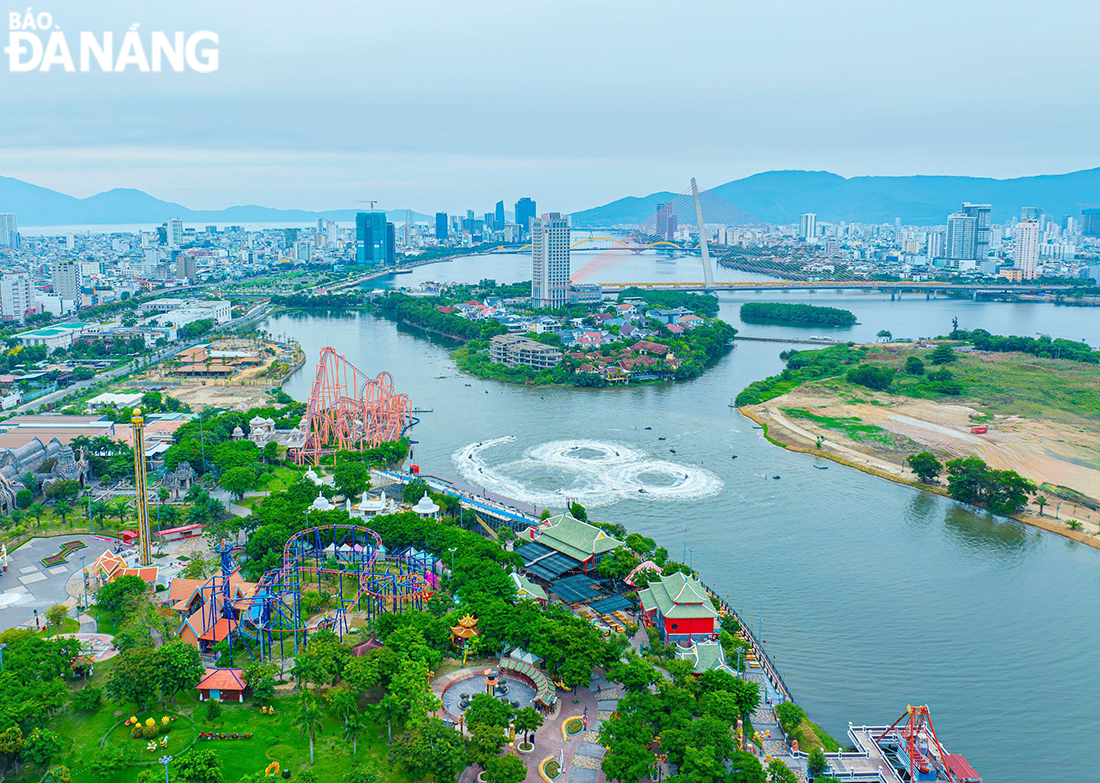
(773, 197)
(38, 206)
(779, 197)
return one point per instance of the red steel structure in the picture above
(349, 411)
(915, 737)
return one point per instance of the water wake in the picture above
(595, 473)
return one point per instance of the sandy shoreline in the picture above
(783, 433)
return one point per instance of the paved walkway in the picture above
(580, 754)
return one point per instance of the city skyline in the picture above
(813, 104)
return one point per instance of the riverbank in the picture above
(780, 431)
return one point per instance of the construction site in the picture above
(232, 373)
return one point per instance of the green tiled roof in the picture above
(577, 539)
(705, 656)
(677, 596)
(526, 588)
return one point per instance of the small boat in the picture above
(468, 384)
(733, 456)
(661, 437)
(757, 427)
(640, 489)
(486, 391)
(777, 477)
(822, 467)
(731, 403)
(673, 451)
(649, 428)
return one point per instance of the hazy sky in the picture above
(449, 105)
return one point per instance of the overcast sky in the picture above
(449, 105)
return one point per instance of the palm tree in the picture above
(1041, 501)
(18, 516)
(36, 510)
(308, 722)
(120, 507)
(63, 509)
(100, 509)
(342, 702)
(354, 728)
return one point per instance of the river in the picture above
(872, 595)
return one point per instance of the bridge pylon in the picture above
(708, 271)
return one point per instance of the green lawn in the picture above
(852, 426)
(281, 478)
(1006, 383)
(275, 738)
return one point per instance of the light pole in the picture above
(452, 551)
(91, 530)
(165, 760)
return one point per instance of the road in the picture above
(125, 369)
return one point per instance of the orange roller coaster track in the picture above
(347, 411)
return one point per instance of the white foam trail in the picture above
(596, 473)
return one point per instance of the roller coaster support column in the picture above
(708, 273)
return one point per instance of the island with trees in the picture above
(796, 314)
(642, 337)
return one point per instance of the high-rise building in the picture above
(185, 267)
(550, 260)
(370, 237)
(667, 222)
(983, 215)
(303, 251)
(498, 217)
(1026, 247)
(9, 230)
(319, 234)
(525, 213)
(807, 226)
(1090, 222)
(66, 279)
(1031, 213)
(962, 237)
(935, 244)
(16, 296)
(173, 233)
(441, 226)
(390, 244)
(290, 236)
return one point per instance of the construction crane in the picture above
(372, 202)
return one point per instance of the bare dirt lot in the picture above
(878, 431)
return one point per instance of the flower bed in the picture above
(63, 556)
(574, 726)
(214, 735)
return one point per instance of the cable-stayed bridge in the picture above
(739, 252)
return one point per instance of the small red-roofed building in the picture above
(222, 685)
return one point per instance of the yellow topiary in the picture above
(150, 722)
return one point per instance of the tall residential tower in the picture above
(550, 260)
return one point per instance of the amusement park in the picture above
(410, 625)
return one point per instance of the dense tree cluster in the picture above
(1045, 346)
(970, 480)
(424, 312)
(802, 366)
(790, 313)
